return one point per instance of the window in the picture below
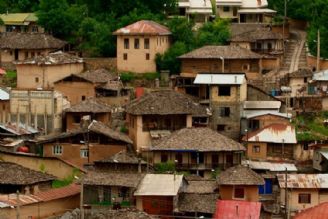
(304, 198)
(305, 146)
(83, 97)
(178, 158)
(305, 80)
(146, 43)
(224, 91)
(239, 192)
(36, 80)
(259, 45)
(136, 43)
(125, 56)
(76, 119)
(256, 149)
(226, 9)
(147, 56)
(126, 43)
(57, 150)
(220, 127)
(269, 46)
(33, 54)
(35, 29)
(245, 67)
(164, 158)
(84, 153)
(123, 193)
(224, 111)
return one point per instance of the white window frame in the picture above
(57, 149)
(84, 153)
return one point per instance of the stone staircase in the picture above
(290, 49)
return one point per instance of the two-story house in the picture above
(197, 10)
(20, 22)
(138, 44)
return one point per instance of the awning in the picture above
(224, 79)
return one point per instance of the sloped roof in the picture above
(126, 213)
(159, 185)
(274, 133)
(231, 209)
(165, 102)
(4, 95)
(55, 58)
(200, 7)
(240, 28)
(18, 18)
(249, 114)
(201, 186)
(321, 76)
(143, 27)
(122, 157)
(22, 129)
(308, 181)
(229, 2)
(216, 52)
(254, 4)
(271, 166)
(198, 139)
(240, 175)
(220, 79)
(258, 34)
(300, 73)
(319, 211)
(14, 40)
(201, 203)
(14, 174)
(98, 76)
(90, 105)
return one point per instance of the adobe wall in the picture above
(312, 62)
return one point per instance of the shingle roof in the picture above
(165, 102)
(14, 174)
(90, 105)
(215, 52)
(240, 28)
(55, 58)
(201, 186)
(317, 212)
(98, 76)
(255, 35)
(143, 27)
(240, 175)
(232, 209)
(123, 157)
(198, 139)
(126, 213)
(201, 203)
(13, 40)
(113, 179)
(300, 73)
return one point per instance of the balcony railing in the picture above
(202, 166)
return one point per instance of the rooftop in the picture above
(240, 175)
(262, 105)
(143, 27)
(197, 6)
(240, 28)
(55, 58)
(270, 166)
(90, 105)
(308, 181)
(165, 102)
(4, 95)
(231, 209)
(201, 186)
(220, 79)
(18, 18)
(201, 203)
(13, 40)
(254, 4)
(218, 52)
(300, 73)
(320, 76)
(22, 129)
(252, 115)
(198, 139)
(255, 35)
(317, 212)
(229, 2)
(160, 185)
(14, 174)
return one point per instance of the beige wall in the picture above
(271, 63)
(238, 94)
(228, 14)
(312, 62)
(302, 155)
(44, 76)
(271, 119)
(136, 58)
(71, 125)
(245, 45)
(251, 193)
(262, 155)
(4, 111)
(295, 84)
(8, 55)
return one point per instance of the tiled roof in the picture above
(90, 105)
(201, 186)
(317, 212)
(22, 129)
(198, 139)
(216, 52)
(240, 28)
(98, 76)
(258, 34)
(231, 209)
(165, 102)
(55, 58)
(201, 203)
(13, 40)
(240, 175)
(143, 27)
(300, 73)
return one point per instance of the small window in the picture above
(33, 54)
(146, 43)
(125, 56)
(147, 56)
(246, 67)
(304, 198)
(305, 80)
(179, 158)
(76, 119)
(259, 45)
(224, 111)
(221, 127)
(123, 193)
(224, 91)
(39, 53)
(11, 53)
(136, 43)
(256, 149)
(164, 158)
(57, 150)
(305, 146)
(36, 80)
(84, 153)
(83, 97)
(226, 9)
(126, 43)
(239, 193)
(35, 29)
(269, 46)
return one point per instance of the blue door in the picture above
(266, 188)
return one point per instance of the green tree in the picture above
(181, 30)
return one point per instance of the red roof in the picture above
(143, 27)
(317, 212)
(63, 192)
(231, 209)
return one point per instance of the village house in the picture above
(199, 11)
(239, 183)
(92, 108)
(198, 151)
(15, 178)
(4, 106)
(316, 212)
(237, 209)
(138, 44)
(297, 81)
(84, 145)
(42, 204)
(304, 191)
(221, 59)
(21, 46)
(245, 11)
(225, 94)
(157, 114)
(42, 71)
(157, 194)
(20, 22)
(40, 109)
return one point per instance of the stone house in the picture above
(42, 71)
(21, 46)
(158, 113)
(199, 11)
(239, 183)
(4, 106)
(92, 108)
(198, 151)
(20, 23)
(138, 44)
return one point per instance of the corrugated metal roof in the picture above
(4, 95)
(262, 105)
(325, 154)
(231, 209)
(321, 76)
(252, 114)
(274, 167)
(22, 129)
(303, 180)
(159, 185)
(229, 79)
(229, 2)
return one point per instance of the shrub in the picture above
(165, 167)
(127, 76)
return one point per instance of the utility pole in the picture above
(318, 50)
(286, 195)
(18, 207)
(81, 198)
(283, 25)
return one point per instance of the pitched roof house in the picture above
(20, 22)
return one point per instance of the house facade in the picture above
(20, 22)
(197, 10)
(138, 44)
